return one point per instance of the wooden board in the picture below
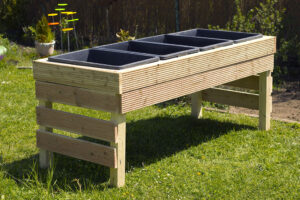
(94, 128)
(231, 97)
(176, 88)
(251, 82)
(196, 63)
(77, 96)
(74, 75)
(76, 148)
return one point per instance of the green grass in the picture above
(170, 155)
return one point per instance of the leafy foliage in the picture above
(43, 31)
(124, 35)
(268, 20)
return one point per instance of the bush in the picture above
(43, 33)
(268, 20)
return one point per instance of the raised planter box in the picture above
(102, 58)
(245, 65)
(164, 51)
(237, 37)
(202, 43)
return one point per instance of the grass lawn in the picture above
(170, 155)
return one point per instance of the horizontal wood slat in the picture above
(77, 96)
(231, 97)
(91, 127)
(75, 75)
(176, 88)
(168, 70)
(251, 82)
(76, 148)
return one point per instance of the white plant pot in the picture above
(44, 49)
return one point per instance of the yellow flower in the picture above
(198, 173)
(158, 170)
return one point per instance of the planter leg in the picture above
(117, 176)
(197, 109)
(45, 157)
(265, 100)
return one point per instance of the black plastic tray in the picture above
(237, 37)
(202, 43)
(164, 51)
(104, 58)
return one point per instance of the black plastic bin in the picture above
(104, 58)
(237, 37)
(202, 43)
(164, 51)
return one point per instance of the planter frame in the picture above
(244, 65)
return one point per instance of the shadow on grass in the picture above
(148, 141)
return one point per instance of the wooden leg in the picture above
(117, 176)
(197, 109)
(265, 100)
(45, 157)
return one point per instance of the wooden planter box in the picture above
(244, 65)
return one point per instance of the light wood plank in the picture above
(197, 110)
(265, 100)
(176, 88)
(45, 157)
(231, 97)
(91, 127)
(117, 176)
(176, 68)
(77, 96)
(251, 82)
(76, 148)
(78, 76)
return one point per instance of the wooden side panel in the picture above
(77, 96)
(251, 82)
(76, 148)
(196, 63)
(94, 128)
(169, 90)
(79, 76)
(231, 97)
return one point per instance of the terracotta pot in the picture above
(44, 49)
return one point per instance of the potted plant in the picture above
(2, 52)
(44, 37)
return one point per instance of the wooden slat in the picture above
(231, 97)
(74, 75)
(77, 96)
(172, 89)
(164, 71)
(91, 127)
(251, 82)
(76, 148)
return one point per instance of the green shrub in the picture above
(43, 33)
(124, 36)
(267, 19)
